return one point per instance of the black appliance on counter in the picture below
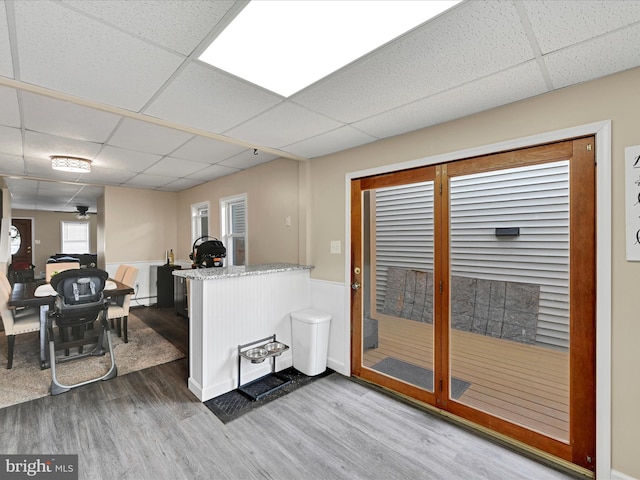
(207, 253)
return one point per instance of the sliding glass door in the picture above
(472, 290)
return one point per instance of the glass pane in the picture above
(16, 239)
(509, 295)
(398, 283)
(238, 250)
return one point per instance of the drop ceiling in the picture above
(119, 83)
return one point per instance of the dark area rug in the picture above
(231, 405)
(421, 377)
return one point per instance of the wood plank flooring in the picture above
(525, 384)
(148, 425)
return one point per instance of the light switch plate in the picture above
(336, 246)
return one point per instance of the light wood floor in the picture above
(147, 425)
(525, 384)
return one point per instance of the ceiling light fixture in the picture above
(70, 164)
(285, 46)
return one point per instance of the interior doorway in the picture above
(477, 291)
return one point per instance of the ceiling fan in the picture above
(82, 214)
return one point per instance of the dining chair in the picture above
(122, 269)
(119, 276)
(120, 310)
(57, 267)
(27, 321)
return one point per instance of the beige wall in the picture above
(614, 98)
(272, 195)
(139, 225)
(47, 231)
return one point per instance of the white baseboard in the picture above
(615, 475)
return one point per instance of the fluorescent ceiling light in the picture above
(286, 45)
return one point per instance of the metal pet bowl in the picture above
(256, 355)
(275, 348)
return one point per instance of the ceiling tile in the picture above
(557, 24)
(148, 181)
(282, 125)
(175, 167)
(505, 87)
(206, 150)
(338, 139)
(12, 165)
(57, 117)
(6, 67)
(10, 141)
(9, 113)
(182, 184)
(87, 58)
(206, 98)
(596, 58)
(107, 176)
(466, 43)
(247, 159)
(119, 159)
(42, 146)
(176, 25)
(147, 137)
(213, 172)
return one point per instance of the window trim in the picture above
(196, 232)
(225, 203)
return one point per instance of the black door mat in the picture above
(421, 377)
(233, 404)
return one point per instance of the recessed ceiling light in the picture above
(286, 45)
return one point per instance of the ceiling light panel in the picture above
(285, 46)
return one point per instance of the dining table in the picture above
(41, 294)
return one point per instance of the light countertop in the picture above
(238, 271)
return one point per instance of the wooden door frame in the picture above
(602, 132)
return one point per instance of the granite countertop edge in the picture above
(241, 271)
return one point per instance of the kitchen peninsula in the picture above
(231, 306)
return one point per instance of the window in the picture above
(233, 216)
(199, 220)
(75, 237)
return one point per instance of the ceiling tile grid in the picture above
(558, 25)
(87, 58)
(57, 117)
(10, 112)
(593, 59)
(472, 41)
(208, 99)
(91, 72)
(282, 125)
(338, 139)
(6, 65)
(178, 25)
(147, 137)
(522, 81)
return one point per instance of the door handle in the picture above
(355, 286)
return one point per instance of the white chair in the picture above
(120, 310)
(57, 267)
(122, 269)
(27, 321)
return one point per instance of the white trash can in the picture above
(310, 341)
